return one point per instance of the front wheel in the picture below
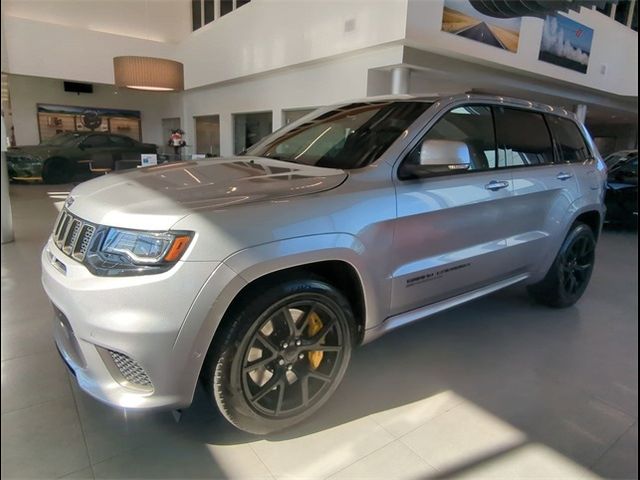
(57, 170)
(281, 355)
(570, 273)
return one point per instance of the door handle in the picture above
(564, 176)
(495, 185)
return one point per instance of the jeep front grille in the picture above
(73, 235)
(130, 370)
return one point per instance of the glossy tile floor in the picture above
(497, 388)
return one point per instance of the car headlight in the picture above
(25, 161)
(119, 252)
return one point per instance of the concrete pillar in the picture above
(5, 202)
(400, 80)
(614, 7)
(580, 111)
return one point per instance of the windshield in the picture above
(616, 158)
(351, 136)
(62, 139)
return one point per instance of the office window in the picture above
(226, 6)
(203, 11)
(289, 116)
(249, 128)
(208, 135)
(196, 14)
(209, 11)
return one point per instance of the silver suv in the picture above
(259, 274)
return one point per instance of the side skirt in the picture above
(411, 316)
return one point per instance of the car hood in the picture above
(157, 197)
(39, 151)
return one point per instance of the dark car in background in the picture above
(61, 158)
(622, 188)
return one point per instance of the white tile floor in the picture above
(499, 388)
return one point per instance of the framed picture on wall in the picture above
(55, 119)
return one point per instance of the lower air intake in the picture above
(130, 370)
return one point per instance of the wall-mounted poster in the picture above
(566, 43)
(460, 18)
(55, 119)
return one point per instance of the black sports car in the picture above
(622, 187)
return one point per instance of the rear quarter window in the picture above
(571, 145)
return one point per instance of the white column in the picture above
(614, 7)
(276, 119)
(226, 135)
(400, 80)
(632, 6)
(5, 201)
(580, 111)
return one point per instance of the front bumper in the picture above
(106, 328)
(18, 169)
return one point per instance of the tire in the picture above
(57, 170)
(256, 372)
(571, 271)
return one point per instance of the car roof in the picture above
(467, 97)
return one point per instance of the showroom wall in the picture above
(27, 92)
(298, 54)
(158, 20)
(304, 86)
(285, 33)
(614, 46)
(72, 53)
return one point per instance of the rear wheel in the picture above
(57, 170)
(571, 271)
(281, 356)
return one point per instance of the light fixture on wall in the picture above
(148, 73)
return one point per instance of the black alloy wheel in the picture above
(576, 264)
(292, 358)
(569, 276)
(57, 170)
(280, 354)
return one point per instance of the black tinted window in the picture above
(523, 138)
(96, 141)
(462, 140)
(571, 144)
(121, 141)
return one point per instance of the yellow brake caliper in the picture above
(315, 325)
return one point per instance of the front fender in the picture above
(243, 267)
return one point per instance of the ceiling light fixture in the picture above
(148, 73)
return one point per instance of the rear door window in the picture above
(571, 145)
(523, 138)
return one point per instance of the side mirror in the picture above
(439, 157)
(445, 155)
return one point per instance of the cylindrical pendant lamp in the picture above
(148, 73)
